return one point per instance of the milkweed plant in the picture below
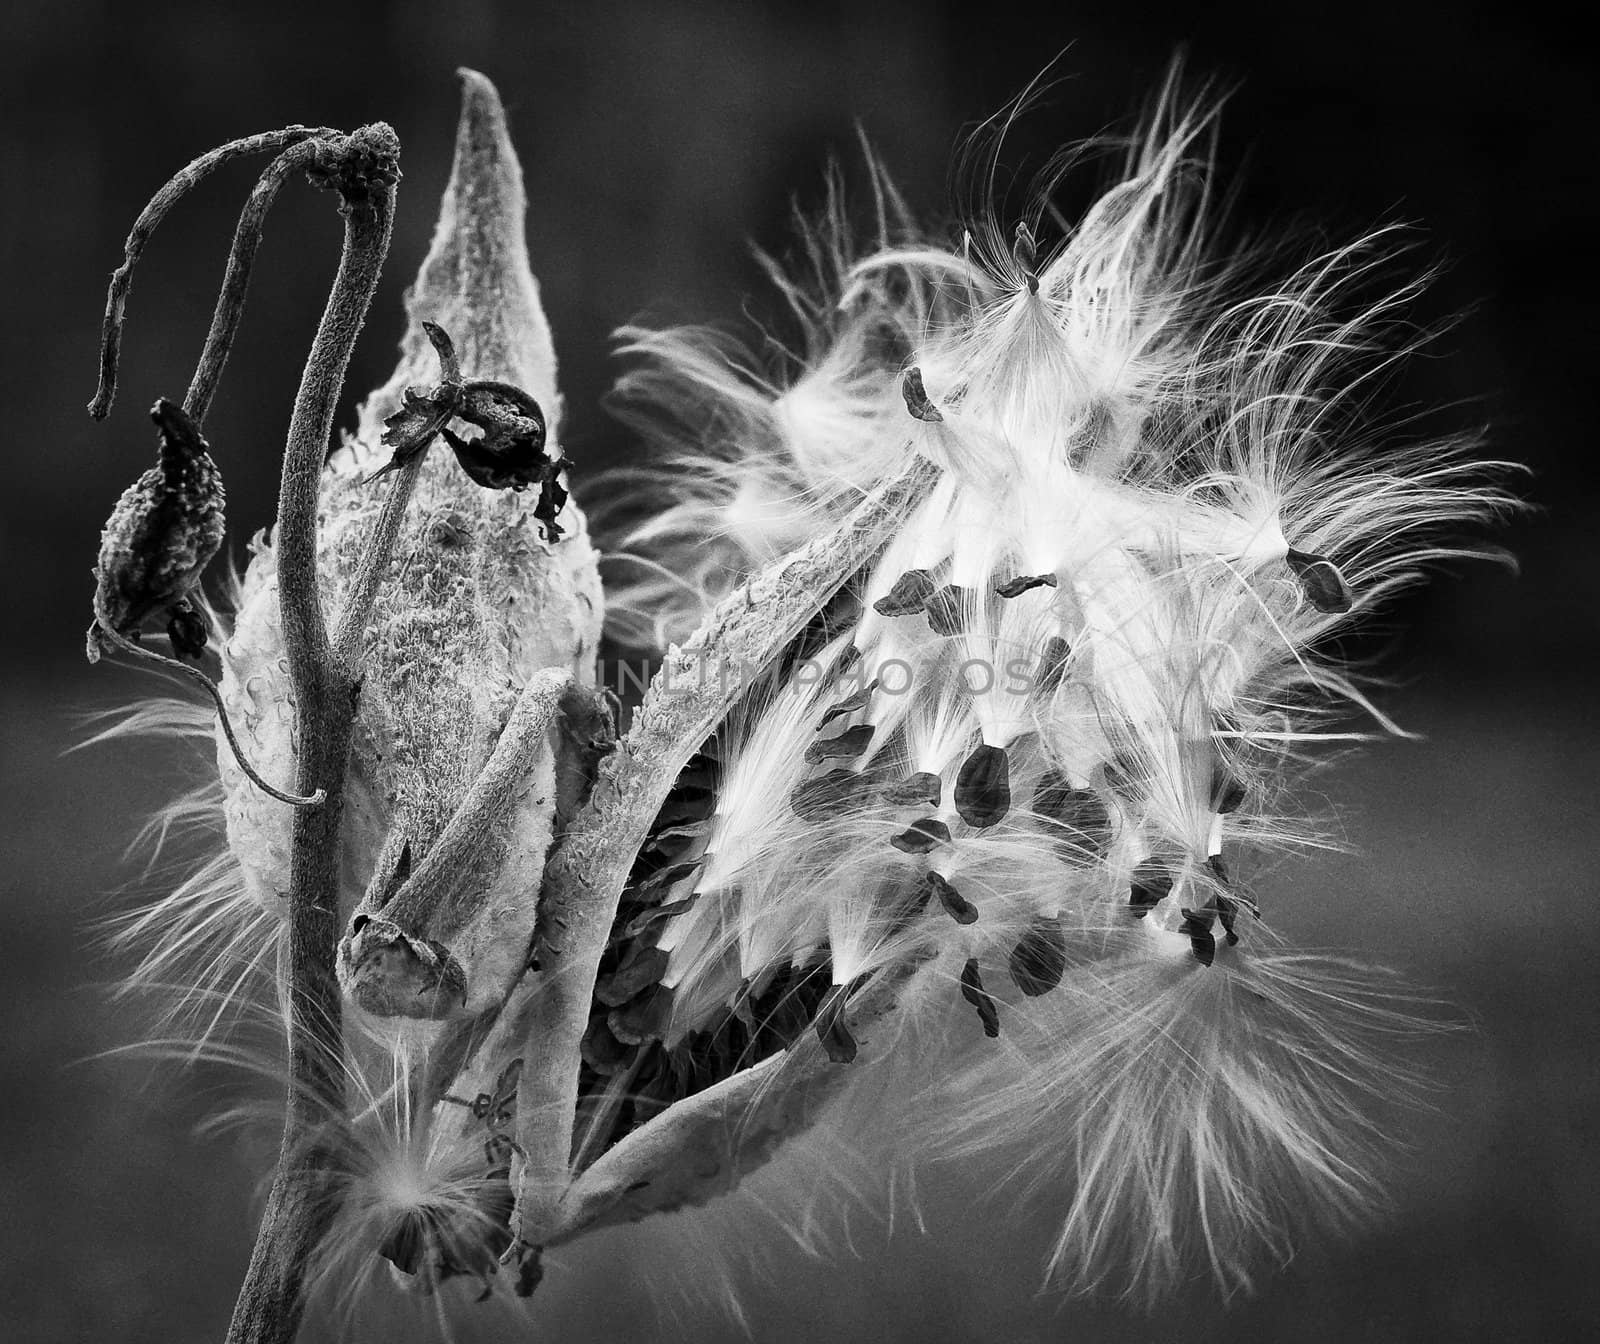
(991, 631)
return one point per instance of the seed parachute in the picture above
(1037, 745)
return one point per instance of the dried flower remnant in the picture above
(509, 454)
(411, 430)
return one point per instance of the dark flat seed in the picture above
(831, 1029)
(849, 705)
(644, 1019)
(1023, 582)
(983, 786)
(1078, 811)
(831, 795)
(846, 660)
(1039, 959)
(658, 914)
(919, 790)
(957, 906)
(1053, 665)
(908, 596)
(850, 743)
(916, 395)
(945, 610)
(921, 836)
(641, 968)
(600, 1050)
(1320, 581)
(1227, 906)
(665, 877)
(973, 992)
(1227, 793)
(1197, 925)
(1152, 880)
(1228, 912)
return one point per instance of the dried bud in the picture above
(510, 453)
(354, 164)
(162, 533)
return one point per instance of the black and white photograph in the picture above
(759, 673)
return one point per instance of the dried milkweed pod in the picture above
(1018, 659)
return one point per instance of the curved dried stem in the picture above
(229, 310)
(194, 674)
(175, 189)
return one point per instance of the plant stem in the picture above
(299, 1207)
(173, 191)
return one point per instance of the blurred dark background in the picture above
(658, 141)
